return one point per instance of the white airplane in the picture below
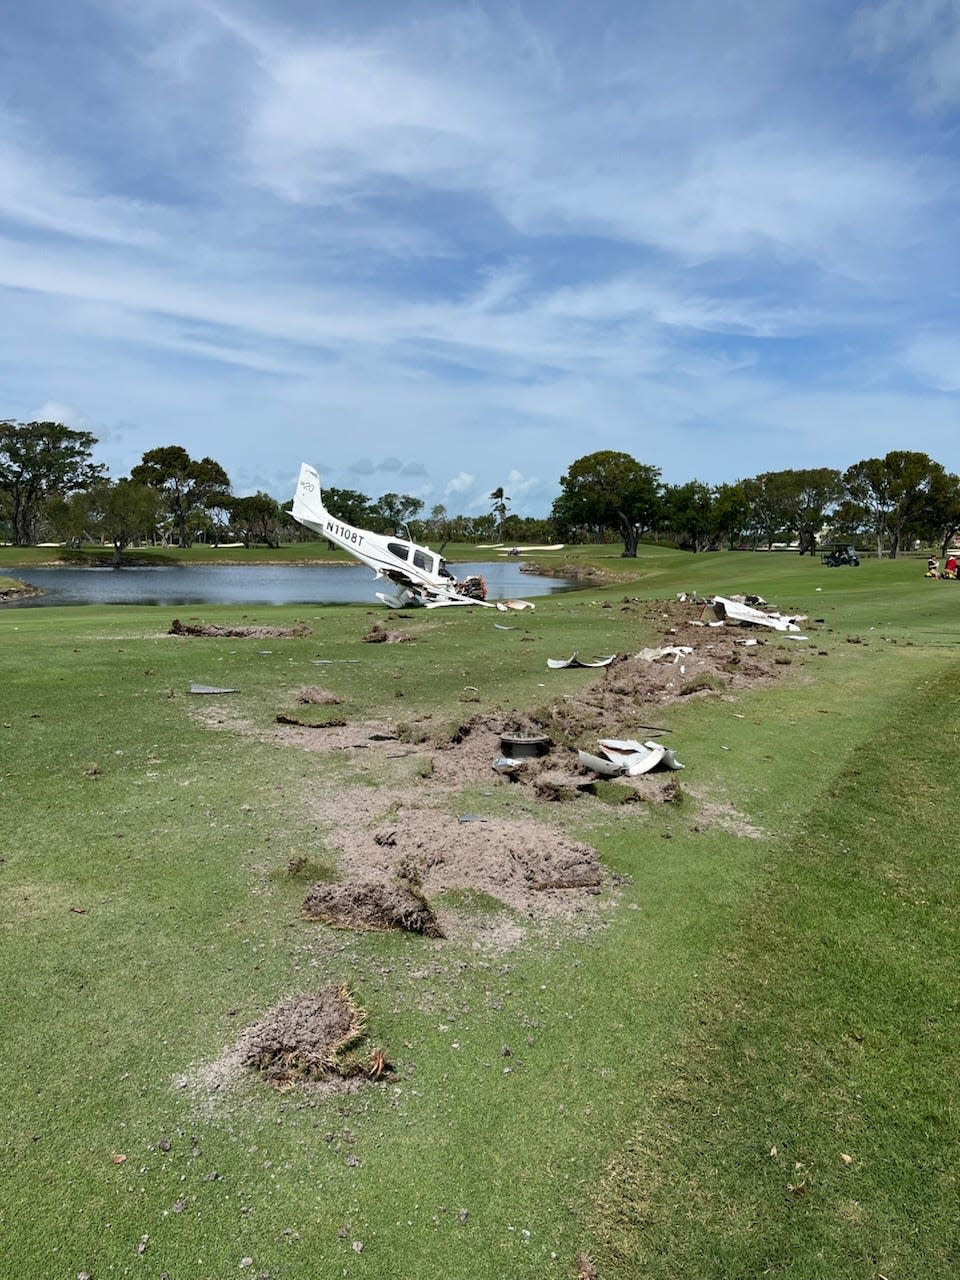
(420, 576)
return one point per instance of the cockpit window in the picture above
(399, 550)
(423, 561)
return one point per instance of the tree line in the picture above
(892, 502)
(50, 485)
(51, 488)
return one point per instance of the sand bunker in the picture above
(311, 1037)
(371, 905)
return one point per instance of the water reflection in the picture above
(254, 584)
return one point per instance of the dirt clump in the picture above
(311, 695)
(379, 634)
(372, 905)
(178, 628)
(555, 786)
(311, 1037)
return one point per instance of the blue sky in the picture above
(438, 248)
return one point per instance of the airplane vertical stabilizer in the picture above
(308, 505)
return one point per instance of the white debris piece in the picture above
(597, 764)
(629, 757)
(573, 661)
(732, 610)
(673, 651)
(636, 757)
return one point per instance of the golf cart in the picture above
(841, 553)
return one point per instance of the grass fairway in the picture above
(617, 1090)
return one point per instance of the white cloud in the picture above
(460, 483)
(50, 196)
(53, 411)
(935, 359)
(921, 39)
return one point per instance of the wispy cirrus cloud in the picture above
(920, 40)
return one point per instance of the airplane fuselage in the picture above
(409, 565)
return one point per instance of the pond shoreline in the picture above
(192, 585)
(17, 590)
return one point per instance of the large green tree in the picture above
(811, 496)
(187, 485)
(868, 498)
(898, 491)
(349, 505)
(394, 510)
(40, 461)
(944, 507)
(768, 497)
(257, 518)
(689, 513)
(609, 489)
(731, 512)
(121, 512)
(792, 502)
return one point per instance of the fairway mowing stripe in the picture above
(809, 1129)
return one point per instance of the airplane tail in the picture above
(308, 505)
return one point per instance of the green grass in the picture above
(810, 1126)
(791, 991)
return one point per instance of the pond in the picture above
(254, 584)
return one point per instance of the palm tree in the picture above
(500, 501)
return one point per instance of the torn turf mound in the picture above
(370, 905)
(311, 1037)
(210, 629)
(523, 863)
(311, 695)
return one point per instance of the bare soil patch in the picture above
(379, 634)
(311, 1037)
(362, 736)
(372, 905)
(523, 863)
(178, 628)
(727, 818)
(620, 702)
